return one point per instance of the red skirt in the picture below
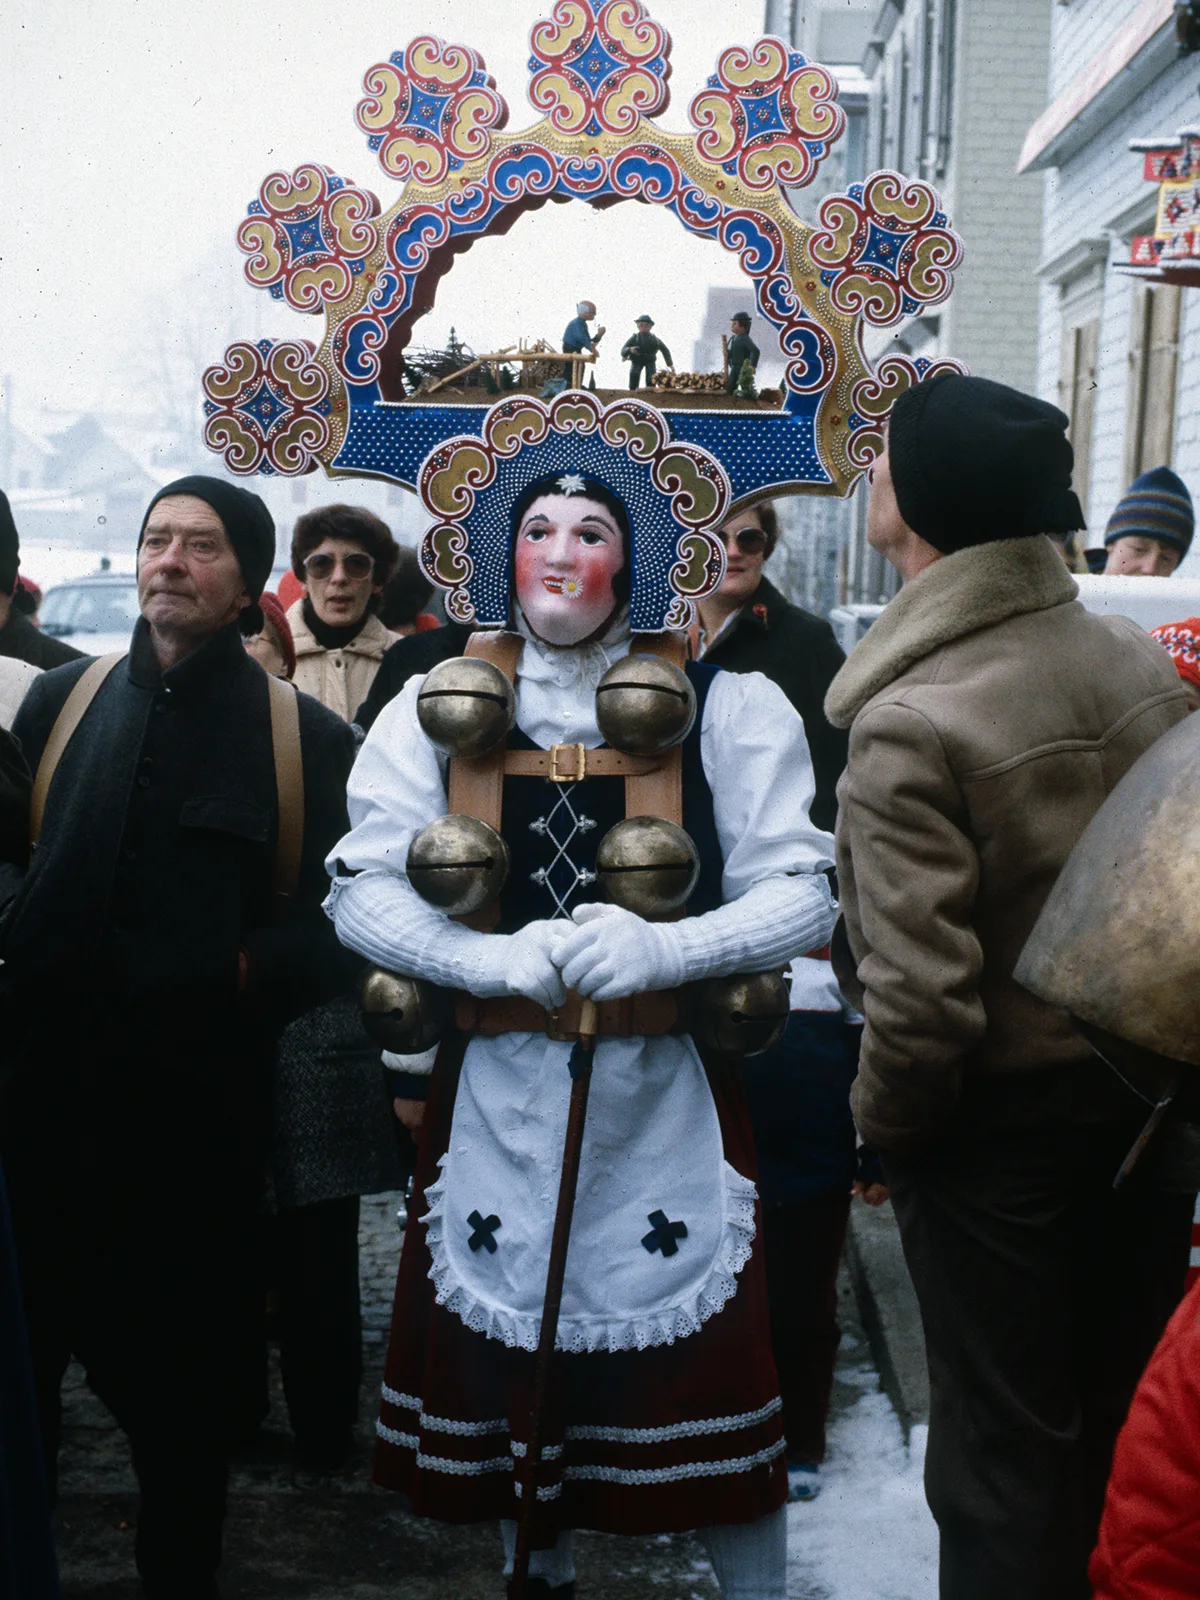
(678, 1436)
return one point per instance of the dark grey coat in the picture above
(155, 863)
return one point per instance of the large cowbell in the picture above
(1118, 940)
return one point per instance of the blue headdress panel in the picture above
(673, 493)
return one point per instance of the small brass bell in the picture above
(466, 706)
(458, 864)
(406, 1015)
(647, 865)
(644, 705)
(743, 1015)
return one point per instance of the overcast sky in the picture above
(133, 133)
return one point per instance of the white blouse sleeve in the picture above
(757, 763)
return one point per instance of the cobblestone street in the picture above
(350, 1540)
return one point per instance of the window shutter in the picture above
(1162, 354)
(1077, 390)
(1153, 363)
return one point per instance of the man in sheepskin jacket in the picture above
(990, 715)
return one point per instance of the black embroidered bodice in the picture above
(553, 830)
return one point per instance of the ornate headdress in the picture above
(760, 128)
(673, 493)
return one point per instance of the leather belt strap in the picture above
(570, 763)
(289, 787)
(637, 1015)
(72, 714)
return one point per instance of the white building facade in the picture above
(1119, 354)
(942, 90)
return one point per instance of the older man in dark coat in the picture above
(150, 968)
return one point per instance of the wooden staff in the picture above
(529, 1471)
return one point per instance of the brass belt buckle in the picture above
(555, 1028)
(563, 753)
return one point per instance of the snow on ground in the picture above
(868, 1535)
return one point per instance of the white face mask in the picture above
(568, 551)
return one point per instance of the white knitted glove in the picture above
(612, 953)
(608, 953)
(380, 915)
(520, 963)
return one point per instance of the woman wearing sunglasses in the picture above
(343, 555)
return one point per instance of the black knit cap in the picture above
(248, 523)
(972, 461)
(10, 547)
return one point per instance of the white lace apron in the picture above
(662, 1226)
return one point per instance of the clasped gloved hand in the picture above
(607, 952)
(524, 962)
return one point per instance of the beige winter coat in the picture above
(990, 715)
(339, 679)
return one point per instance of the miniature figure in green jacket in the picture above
(642, 350)
(741, 348)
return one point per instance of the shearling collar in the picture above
(371, 640)
(959, 594)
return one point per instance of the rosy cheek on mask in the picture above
(565, 606)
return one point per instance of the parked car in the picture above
(95, 614)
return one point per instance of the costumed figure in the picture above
(642, 350)
(590, 843)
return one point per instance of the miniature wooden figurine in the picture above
(642, 350)
(741, 349)
(576, 339)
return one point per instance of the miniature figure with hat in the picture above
(642, 350)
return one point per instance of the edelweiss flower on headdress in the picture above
(673, 494)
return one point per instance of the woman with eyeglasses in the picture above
(343, 555)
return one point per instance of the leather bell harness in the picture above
(653, 788)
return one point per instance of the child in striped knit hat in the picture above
(1150, 532)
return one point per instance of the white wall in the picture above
(1097, 192)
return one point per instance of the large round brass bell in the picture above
(647, 865)
(742, 1015)
(458, 864)
(405, 1015)
(466, 706)
(644, 705)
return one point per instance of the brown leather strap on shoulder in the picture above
(672, 647)
(658, 792)
(289, 786)
(476, 783)
(475, 787)
(68, 719)
(502, 649)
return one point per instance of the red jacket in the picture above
(1149, 1545)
